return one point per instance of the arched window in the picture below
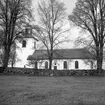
(76, 65)
(46, 65)
(24, 43)
(91, 64)
(34, 45)
(65, 64)
(36, 65)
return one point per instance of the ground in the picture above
(31, 90)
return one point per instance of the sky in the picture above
(69, 4)
(73, 33)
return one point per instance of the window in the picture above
(34, 45)
(91, 64)
(76, 65)
(24, 43)
(65, 64)
(36, 65)
(46, 65)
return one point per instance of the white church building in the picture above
(30, 57)
(64, 59)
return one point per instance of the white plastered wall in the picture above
(24, 52)
(70, 63)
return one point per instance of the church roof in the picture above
(62, 54)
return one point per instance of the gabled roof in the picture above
(62, 54)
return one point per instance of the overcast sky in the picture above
(69, 4)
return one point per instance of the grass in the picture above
(30, 90)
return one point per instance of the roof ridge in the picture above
(61, 49)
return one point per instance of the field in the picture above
(30, 90)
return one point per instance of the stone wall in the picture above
(43, 72)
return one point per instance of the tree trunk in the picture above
(6, 58)
(99, 64)
(50, 63)
(50, 58)
(99, 59)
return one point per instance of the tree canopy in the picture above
(89, 15)
(14, 17)
(51, 20)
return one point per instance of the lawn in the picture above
(30, 90)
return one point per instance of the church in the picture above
(63, 59)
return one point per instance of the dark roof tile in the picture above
(62, 54)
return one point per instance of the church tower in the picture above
(25, 48)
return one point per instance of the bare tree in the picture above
(87, 43)
(51, 20)
(14, 16)
(89, 15)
